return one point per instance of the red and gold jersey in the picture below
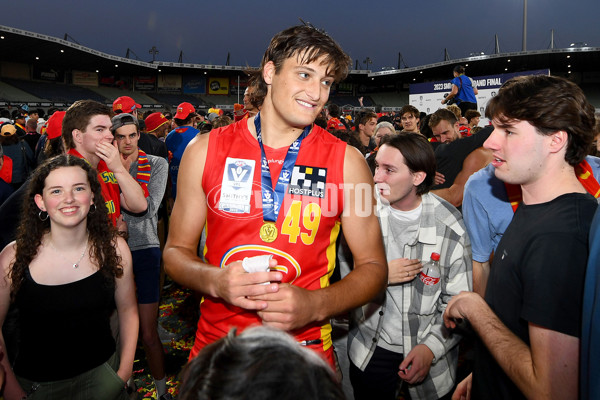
(307, 224)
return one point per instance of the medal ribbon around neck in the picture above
(272, 199)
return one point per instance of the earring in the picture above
(92, 210)
(41, 215)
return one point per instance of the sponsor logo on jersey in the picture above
(308, 181)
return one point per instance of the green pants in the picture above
(100, 383)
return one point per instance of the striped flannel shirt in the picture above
(441, 230)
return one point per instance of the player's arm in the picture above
(294, 307)
(187, 221)
(547, 369)
(476, 160)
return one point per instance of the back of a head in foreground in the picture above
(259, 364)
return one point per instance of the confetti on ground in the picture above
(178, 315)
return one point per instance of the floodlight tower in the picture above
(524, 25)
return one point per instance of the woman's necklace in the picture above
(76, 264)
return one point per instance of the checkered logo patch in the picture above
(308, 181)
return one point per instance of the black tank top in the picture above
(64, 329)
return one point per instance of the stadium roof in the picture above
(50, 52)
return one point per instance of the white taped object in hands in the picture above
(257, 263)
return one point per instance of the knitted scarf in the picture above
(143, 171)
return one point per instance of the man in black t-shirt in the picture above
(529, 324)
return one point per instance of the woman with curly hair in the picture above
(66, 272)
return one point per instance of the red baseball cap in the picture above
(54, 124)
(125, 104)
(154, 121)
(184, 110)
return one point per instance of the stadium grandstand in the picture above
(44, 71)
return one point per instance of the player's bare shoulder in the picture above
(355, 166)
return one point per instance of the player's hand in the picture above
(401, 270)
(463, 389)
(460, 306)
(110, 154)
(237, 287)
(416, 364)
(291, 307)
(439, 178)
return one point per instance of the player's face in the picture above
(395, 182)
(297, 92)
(409, 122)
(445, 132)
(127, 139)
(97, 131)
(519, 152)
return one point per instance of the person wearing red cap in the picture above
(156, 127)
(52, 144)
(178, 139)
(126, 104)
(86, 134)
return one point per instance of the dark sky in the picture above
(207, 31)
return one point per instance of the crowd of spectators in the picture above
(445, 189)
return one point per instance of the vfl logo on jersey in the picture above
(238, 172)
(308, 181)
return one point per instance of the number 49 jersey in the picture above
(307, 225)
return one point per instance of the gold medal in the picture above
(268, 232)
